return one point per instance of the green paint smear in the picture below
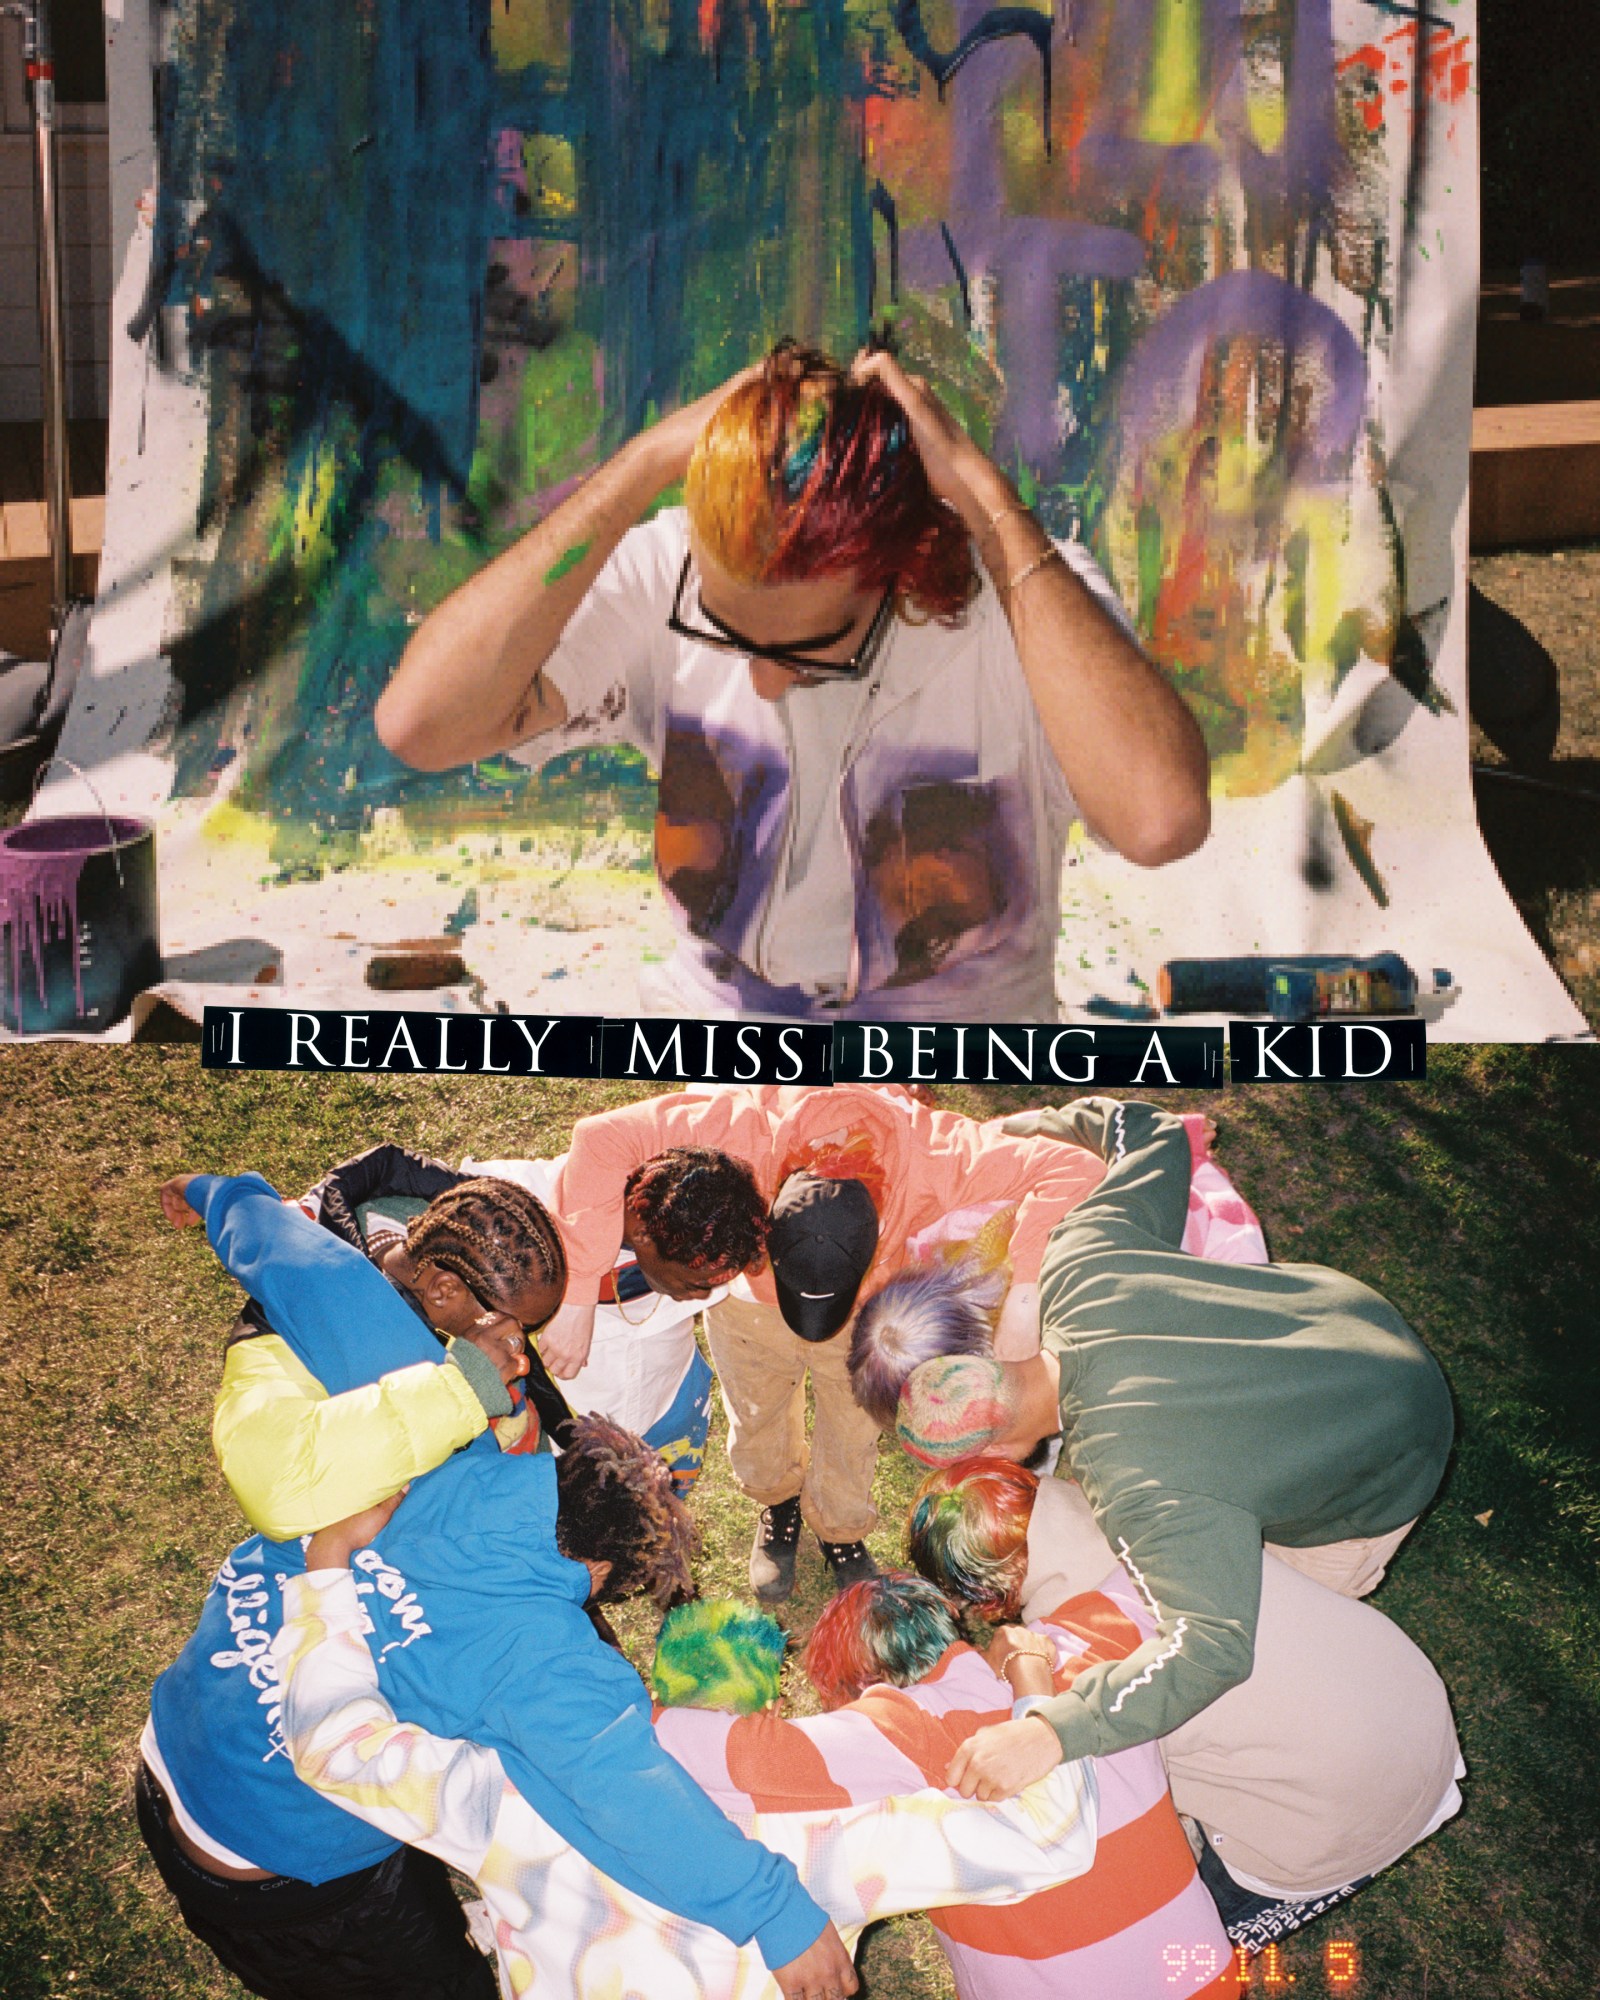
(565, 565)
(1150, 547)
(1356, 833)
(1173, 115)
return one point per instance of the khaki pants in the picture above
(1334, 1757)
(1354, 1568)
(761, 1371)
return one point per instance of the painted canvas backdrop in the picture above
(1202, 273)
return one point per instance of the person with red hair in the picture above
(877, 693)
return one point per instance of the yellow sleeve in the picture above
(299, 1459)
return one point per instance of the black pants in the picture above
(393, 1932)
(1257, 1921)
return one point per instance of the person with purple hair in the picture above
(1205, 1408)
(877, 692)
(923, 1315)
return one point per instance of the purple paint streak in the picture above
(1027, 256)
(1161, 382)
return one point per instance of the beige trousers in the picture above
(1334, 1757)
(761, 1371)
(1354, 1568)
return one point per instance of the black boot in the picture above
(851, 1562)
(772, 1558)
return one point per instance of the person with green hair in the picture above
(560, 1923)
(715, 1653)
(902, 1690)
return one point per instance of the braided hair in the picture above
(615, 1503)
(698, 1207)
(493, 1235)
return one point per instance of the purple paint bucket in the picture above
(79, 929)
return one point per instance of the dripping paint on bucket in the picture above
(79, 930)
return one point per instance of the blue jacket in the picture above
(479, 1631)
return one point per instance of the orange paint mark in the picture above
(1449, 68)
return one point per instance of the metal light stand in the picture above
(39, 55)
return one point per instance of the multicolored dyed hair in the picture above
(967, 1532)
(716, 1653)
(698, 1207)
(615, 1504)
(953, 1408)
(808, 474)
(893, 1628)
(919, 1315)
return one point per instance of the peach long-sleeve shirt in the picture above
(917, 1163)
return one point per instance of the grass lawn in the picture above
(1470, 1200)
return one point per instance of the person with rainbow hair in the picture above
(869, 1833)
(1206, 1409)
(877, 693)
(1334, 1759)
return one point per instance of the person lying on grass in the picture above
(1336, 1756)
(564, 1928)
(483, 1265)
(477, 1603)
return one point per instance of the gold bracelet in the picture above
(1041, 1649)
(1013, 584)
(1011, 507)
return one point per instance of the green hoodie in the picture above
(1207, 1407)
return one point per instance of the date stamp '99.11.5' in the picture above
(1266, 1971)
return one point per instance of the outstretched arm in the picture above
(338, 1197)
(1149, 1165)
(297, 1458)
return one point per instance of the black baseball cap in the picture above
(821, 1238)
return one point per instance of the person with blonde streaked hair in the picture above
(877, 693)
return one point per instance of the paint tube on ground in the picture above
(1383, 984)
(1224, 985)
(1245, 985)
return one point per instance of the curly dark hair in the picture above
(698, 1207)
(494, 1235)
(615, 1503)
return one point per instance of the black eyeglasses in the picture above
(727, 640)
